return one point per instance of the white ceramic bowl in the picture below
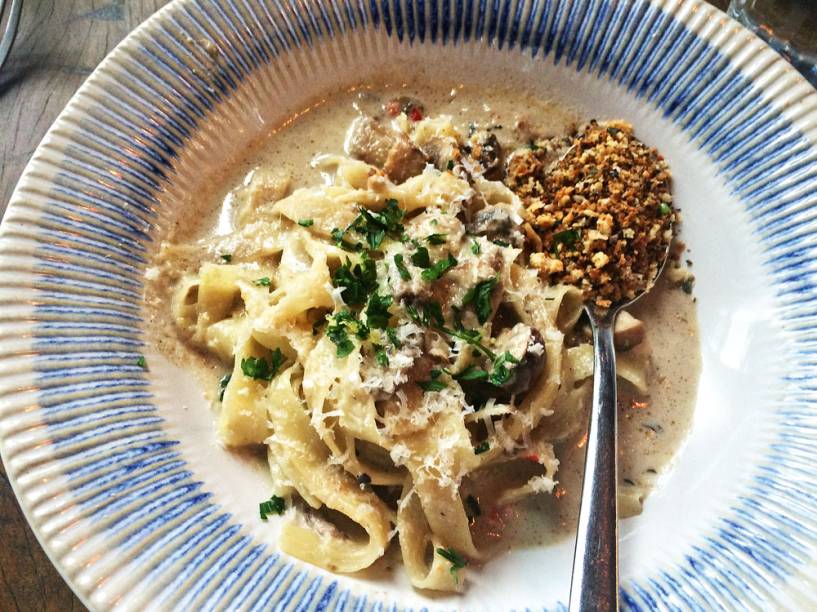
(116, 468)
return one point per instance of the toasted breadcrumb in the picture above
(603, 210)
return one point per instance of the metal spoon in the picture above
(594, 585)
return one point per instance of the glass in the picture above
(789, 26)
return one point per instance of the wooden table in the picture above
(59, 44)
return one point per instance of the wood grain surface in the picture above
(59, 44)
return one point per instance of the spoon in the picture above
(594, 585)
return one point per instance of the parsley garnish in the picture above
(420, 258)
(306, 222)
(358, 280)
(436, 239)
(401, 267)
(475, 248)
(664, 209)
(472, 373)
(431, 316)
(434, 384)
(438, 269)
(482, 447)
(501, 373)
(142, 362)
(226, 257)
(450, 164)
(374, 226)
(338, 332)
(392, 334)
(275, 505)
(261, 369)
(502, 243)
(566, 237)
(480, 296)
(262, 282)
(377, 311)
(222, 385)
(380, 356)
(342, 243)
(453, 557)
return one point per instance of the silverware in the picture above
(594, 585)
(10, 31)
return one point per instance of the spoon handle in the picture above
(594, 585)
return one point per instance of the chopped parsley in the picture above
(450, 165)
(401, 267)
(502, 243)
(664, 209)
(480, 296)
(142, 362)
(274, 505)
(375, 226)
(472, 373)
(475, 248)
(482, 447)
(438, 269)
(453, 557)
(566, 237)
(377, 311)
(434, 384)
(392, 334)
(261, 369)
(306, 222)
(501, 372)
(338, 332)
(226, 257)
(431, 315)
(222, 385)
(338, 236)
(436, 239)
(420, 258)
(262, 282)
(358, 280)
(380, 356)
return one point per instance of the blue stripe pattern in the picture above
(119, 158)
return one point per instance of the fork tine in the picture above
(10, 30)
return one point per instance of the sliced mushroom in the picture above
(628, 331)
(369, 141)
(403, 161)
(496, 223)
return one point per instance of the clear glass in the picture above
(789, 26)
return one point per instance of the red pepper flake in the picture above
(531, 457)
(393, 108)
(415, 113)
(635, 405)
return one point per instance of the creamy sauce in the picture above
(651, 429)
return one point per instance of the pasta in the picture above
(388, 346)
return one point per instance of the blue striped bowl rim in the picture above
(84, 445)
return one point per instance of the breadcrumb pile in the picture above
(603, 211)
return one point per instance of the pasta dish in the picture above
(385, 337)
